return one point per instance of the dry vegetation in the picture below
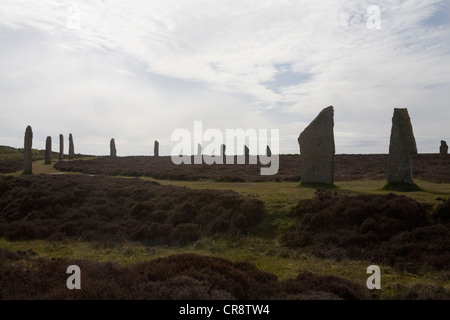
(391, 229)
(112, 209)
(185, 276)
(430, 167)
(388, 229)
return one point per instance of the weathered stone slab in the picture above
(71, 147)
(223, 156)
(268, 152)
(156, 149)
(402, 146)
(48, 150)
(61, 147)
(112, 148)
(443, 149)
(317, 149)
(28, 143)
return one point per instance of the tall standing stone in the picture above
(71, 147)
(198, 158)
(48, 150)
(268, 152)
(28, 143)
(112, 148)
(317, 149)
(223, 149)
(246, 155)
(61, 147)
(443, 149)
(402, 146)
(156, 149)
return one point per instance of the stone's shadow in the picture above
(318, 185)
(402, 187)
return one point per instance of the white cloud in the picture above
(139, 69)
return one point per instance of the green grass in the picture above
(10, 153)
(39, 167)
(260, 246)
(7, 153)
(318, 185)
(402, 187)
(281, 196)
(266, 255)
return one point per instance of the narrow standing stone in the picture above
(156, 149)
(443, 148)
(402, 146)
(112, 148)
(71, 147)
(246, 154)
(268, 152)
(48, 150)
(317, 149)
(61, 147)
(28, 143)
(198, 158)
(223, 148)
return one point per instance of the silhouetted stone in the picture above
(48, 151)
(317, 149)
(246, 154)
(268, 152)
(443, 149)
(156, 149)
(61, 147)
(223, 148)
(28, 143)
(71, 147)
(402, 146)
(198, 158)
(245, 158)
(112, 148)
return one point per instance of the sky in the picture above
(136, 71)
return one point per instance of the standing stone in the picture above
(112, 148)
(222, 153)
(246, 154)
(198, 158)
(402, 146)
(61, 147)
(268, 152)
(71, 147)
(48, 151)
(317, 149)
(156, 149)
(28, 143)
(443, 148)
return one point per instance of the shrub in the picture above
(443, 212)
(24, 275)
(310, 286)
(388, 228)
(105, 208)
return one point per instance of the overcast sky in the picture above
(137, 70)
